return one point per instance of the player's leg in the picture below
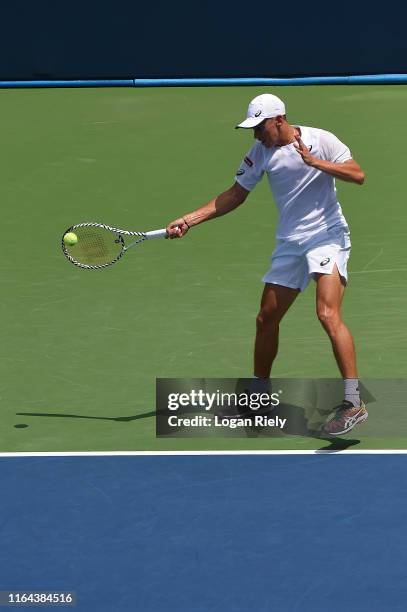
(275, 302)
(287, 276)
(330, 291)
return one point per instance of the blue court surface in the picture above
(207, 533)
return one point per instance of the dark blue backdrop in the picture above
(122, 39)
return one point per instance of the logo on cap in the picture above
(258, 113)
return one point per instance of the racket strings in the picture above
(96, 246)
(99, 246)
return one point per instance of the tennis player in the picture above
(312, 240)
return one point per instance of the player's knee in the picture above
(267, 318)
(329, 318)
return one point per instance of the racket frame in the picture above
(140, 237)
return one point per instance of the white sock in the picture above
(352, 390)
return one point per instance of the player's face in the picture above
(267, 132)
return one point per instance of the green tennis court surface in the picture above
(81, 349)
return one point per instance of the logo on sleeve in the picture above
(239, 172)
(248, 161)
(325, 261)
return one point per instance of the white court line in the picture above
(382, 270)
(369, 263)
(396, 451)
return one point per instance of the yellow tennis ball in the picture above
(70, 239)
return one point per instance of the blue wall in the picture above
(51, 39)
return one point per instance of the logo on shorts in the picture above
(325, 261)
(239, 172)
(248, 161)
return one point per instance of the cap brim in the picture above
(250, 122)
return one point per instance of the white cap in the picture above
(260, 108)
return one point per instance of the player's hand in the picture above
(303, 150)
(177, 228)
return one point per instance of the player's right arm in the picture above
(248, 175)
(221, 205)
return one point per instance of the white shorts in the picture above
(294, 264)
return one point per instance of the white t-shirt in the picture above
(305, 197)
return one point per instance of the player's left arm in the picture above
(348, 170)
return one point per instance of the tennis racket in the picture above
(100, 246)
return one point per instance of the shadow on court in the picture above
(296, 417)
(123, 419)
(337, 444)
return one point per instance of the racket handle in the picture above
(161, 233)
